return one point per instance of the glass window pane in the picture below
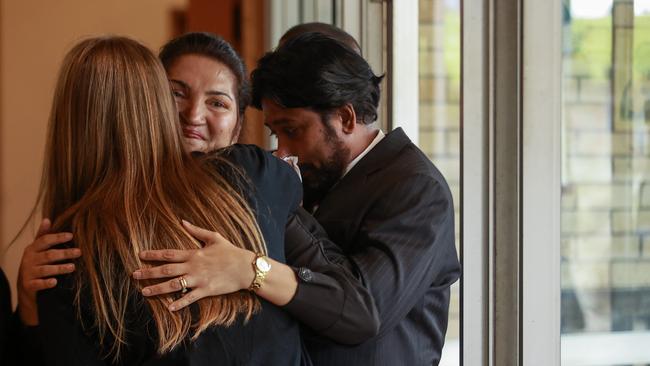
(439, 125)
(605, 246)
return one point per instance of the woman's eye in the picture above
(177, 93)
(216, 104)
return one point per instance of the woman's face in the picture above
(205, 92)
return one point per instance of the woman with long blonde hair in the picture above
(115, 175)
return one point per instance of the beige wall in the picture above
(34, 36)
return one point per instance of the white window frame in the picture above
(542, 99)
(474, 184)
(404, 78)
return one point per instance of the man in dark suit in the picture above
(378, 197)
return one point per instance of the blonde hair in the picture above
(115, 175)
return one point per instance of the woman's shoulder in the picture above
(247, 155)
(271, 180)
(259, 165)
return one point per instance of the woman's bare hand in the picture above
(38, 267)
(216, 269)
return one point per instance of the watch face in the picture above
(263, 264)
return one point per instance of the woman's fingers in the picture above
(44, 227)
(166, 255)
(173, 285)
(189, 298)
(209, 271)
(56, 255)
(204, 235)
(53, 270)
(47, 241)
(164, 271)
(40, 284)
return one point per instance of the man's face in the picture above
(322, 155)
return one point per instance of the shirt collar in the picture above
(375, 141)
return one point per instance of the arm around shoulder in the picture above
(330, 299)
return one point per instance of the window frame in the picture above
(542, 102)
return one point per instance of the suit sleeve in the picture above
(333, 302)
(407, 247)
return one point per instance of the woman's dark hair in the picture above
(214, 47)
(315, 71)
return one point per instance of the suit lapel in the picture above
(375, 160)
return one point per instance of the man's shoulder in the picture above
(410, 161)
(393, 165)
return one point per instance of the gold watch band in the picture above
(261, 266)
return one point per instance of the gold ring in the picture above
(183, 283)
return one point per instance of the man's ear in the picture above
(348, 118)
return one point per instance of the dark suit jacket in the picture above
(393, 216)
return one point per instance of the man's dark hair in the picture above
(317, 72)
(216, 48)
(327, 29)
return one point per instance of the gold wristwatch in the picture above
(261, 266)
